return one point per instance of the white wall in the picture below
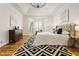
(57, 16)
(25, 25)
(73, 13)
(6, 10)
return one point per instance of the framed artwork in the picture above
(13, 21)
(65, 15)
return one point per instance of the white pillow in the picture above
(65, 32)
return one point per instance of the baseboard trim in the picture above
(4, 44)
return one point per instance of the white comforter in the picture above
(48, 38)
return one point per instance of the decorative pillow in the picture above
(65, 32)
(59, 31)
(55, 31)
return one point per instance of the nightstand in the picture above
(76, 36)
(73, 42)
(76, 42)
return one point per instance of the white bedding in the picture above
(48, 38)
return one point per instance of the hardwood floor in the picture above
(9, 49)
(75, 51)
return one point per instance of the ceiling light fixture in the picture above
(38, 5)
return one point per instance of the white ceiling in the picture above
(28, 9)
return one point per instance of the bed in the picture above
(49, 38)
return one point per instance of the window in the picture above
(38, 25)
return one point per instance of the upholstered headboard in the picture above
(65, 27)
(70, 27)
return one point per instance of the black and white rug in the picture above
(27, 49)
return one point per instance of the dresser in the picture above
(15, 35)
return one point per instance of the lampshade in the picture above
(76, 28)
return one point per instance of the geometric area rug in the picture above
(28, 49)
